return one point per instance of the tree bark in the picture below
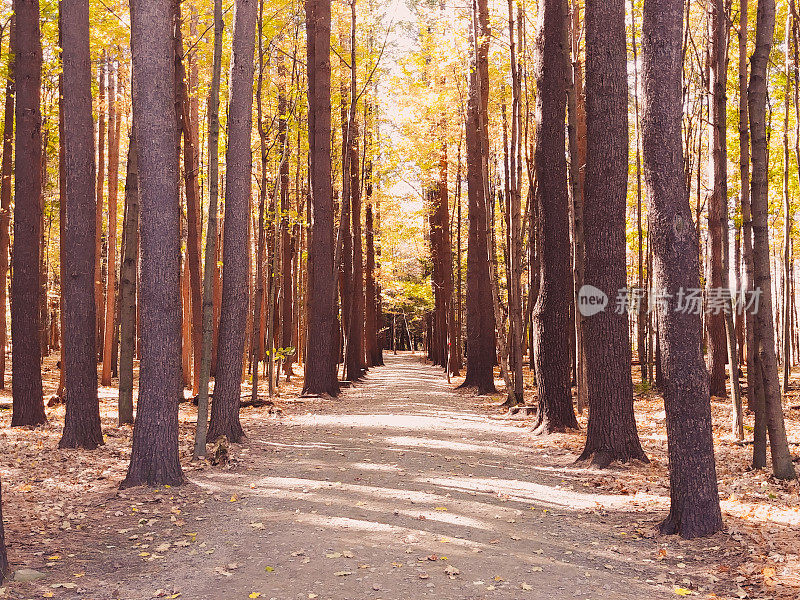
(5, 194)
(551, 318)
(515, 217)
(102, 73)
(641, 316)
(82, 420)
(718, 213)
(480, 344)
(355, 337)
(320, 368)
(235, 251)
(127, 286)
(26, 381)
(787, 210)
(611, 432)
(154, 456)
(210, 259)
(576, 118)
(694, 498)
(782, 466)
(287, 242)
(113, 184)
(717, 204)
(191, 178)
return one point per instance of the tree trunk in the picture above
(782, 466)
(113, 180)
(718, 217)
(102, 73)
(355, 337)
(515, 217)
(154, 456)
(576, 115)
(320, 368)
(26, 382)
(694, 507)
(127, 287)
(611, 432)
(373, 351)
(480, 345)
(717, 204)
(82, 420)
(257, 345)
(287, 253)
(191, 177)
(787, 210)
(210, 262)
(551, 318)
(235, 252)
(641, 316)
(5, 195)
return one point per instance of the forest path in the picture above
(402, 488)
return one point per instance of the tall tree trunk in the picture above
(235, 251)
(515, 217)
(480, 345)
(371, 343)
(787, 209)
(641, 316)
(551, 318)
(287, 243)
(755, 390)
(5, 194)
(257, 345)
(694, 498)
(320, 368)
(373, 351)
(611, 433)
(210, 259)
(191, 177)
(717, 204)
(154, 456)
(62, 213)
(782, 466)
(355, 338)
(113, 184)
(576, 115)
(355, 334)
(720, 32)
(26, 382)
(127, 286)
(102, 74)
(82, 420)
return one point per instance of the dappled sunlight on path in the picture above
(402, 488)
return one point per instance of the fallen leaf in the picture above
(254, 595)
(526, 587)
(343, 573)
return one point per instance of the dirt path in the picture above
(400, 489)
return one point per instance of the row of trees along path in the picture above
(226, 264)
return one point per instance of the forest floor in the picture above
(402, 488)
